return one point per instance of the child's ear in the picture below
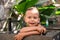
(39, 19)
(24, 24)
(24, 18)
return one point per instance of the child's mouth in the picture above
(32, 23)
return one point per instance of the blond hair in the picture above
(34, 9)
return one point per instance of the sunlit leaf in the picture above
(23, 5)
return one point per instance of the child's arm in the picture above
(20, 36)
(28, 32)
(28, 29)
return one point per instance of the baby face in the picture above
(32, 18)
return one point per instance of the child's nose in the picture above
(32, 19)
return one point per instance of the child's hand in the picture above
(16, 37)
(20, 36)
(41, 29)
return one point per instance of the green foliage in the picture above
(58, 12)
(23, 5)
(46, 12)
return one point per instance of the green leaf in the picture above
(47, 10)
(23, 5)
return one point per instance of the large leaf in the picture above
(23, 5)
(47, 10)
(58, 12)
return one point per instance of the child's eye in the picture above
(29, 17)
(35, 17)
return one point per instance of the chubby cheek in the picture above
(26, 20)
(38, 21)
